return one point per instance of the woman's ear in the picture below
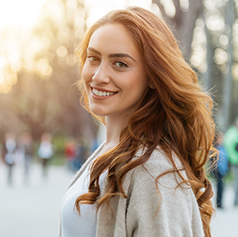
(151, 85)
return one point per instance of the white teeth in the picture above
(102, 93)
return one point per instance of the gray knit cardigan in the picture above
(147, 211)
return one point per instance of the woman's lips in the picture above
(102, 94)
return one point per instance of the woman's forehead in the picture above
(113, 37)
(112, 33)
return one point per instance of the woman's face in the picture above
(113, 73)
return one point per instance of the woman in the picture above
(148, 178)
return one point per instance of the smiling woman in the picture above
(148, 177)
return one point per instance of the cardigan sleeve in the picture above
(162, 211)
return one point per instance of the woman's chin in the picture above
(98, 112)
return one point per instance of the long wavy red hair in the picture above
(175, 114)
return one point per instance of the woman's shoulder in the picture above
(159, 169)
(158, 162)
(158, 173)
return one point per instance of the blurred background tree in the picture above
(39, 68)
(207, 34)
(46, 97)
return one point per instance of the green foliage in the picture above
(59, 143)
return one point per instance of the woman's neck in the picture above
(113, 131)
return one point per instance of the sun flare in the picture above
(17, 18)
(21, 13)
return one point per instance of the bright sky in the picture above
(25, 12)
(19, 12)
(98, 8)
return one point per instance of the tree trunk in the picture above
(207, 75)
(228, 80)
(183, 23)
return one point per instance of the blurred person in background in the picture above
(81, 153)
(70, 153)
(231, 145)
(45, 151)
(27, 146)
(220, 169)
(148, 177)
(9, 154)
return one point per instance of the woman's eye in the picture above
(92, 58)
(121, 64)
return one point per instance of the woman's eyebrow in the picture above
(114, 55)
(93, 50)
(121, 55)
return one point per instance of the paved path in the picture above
(225, 222)
(32, 210)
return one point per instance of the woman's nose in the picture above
(101, 74)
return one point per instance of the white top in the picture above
(10, 155)
(73, 224)
(45, 150)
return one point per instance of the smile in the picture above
(103, 93)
